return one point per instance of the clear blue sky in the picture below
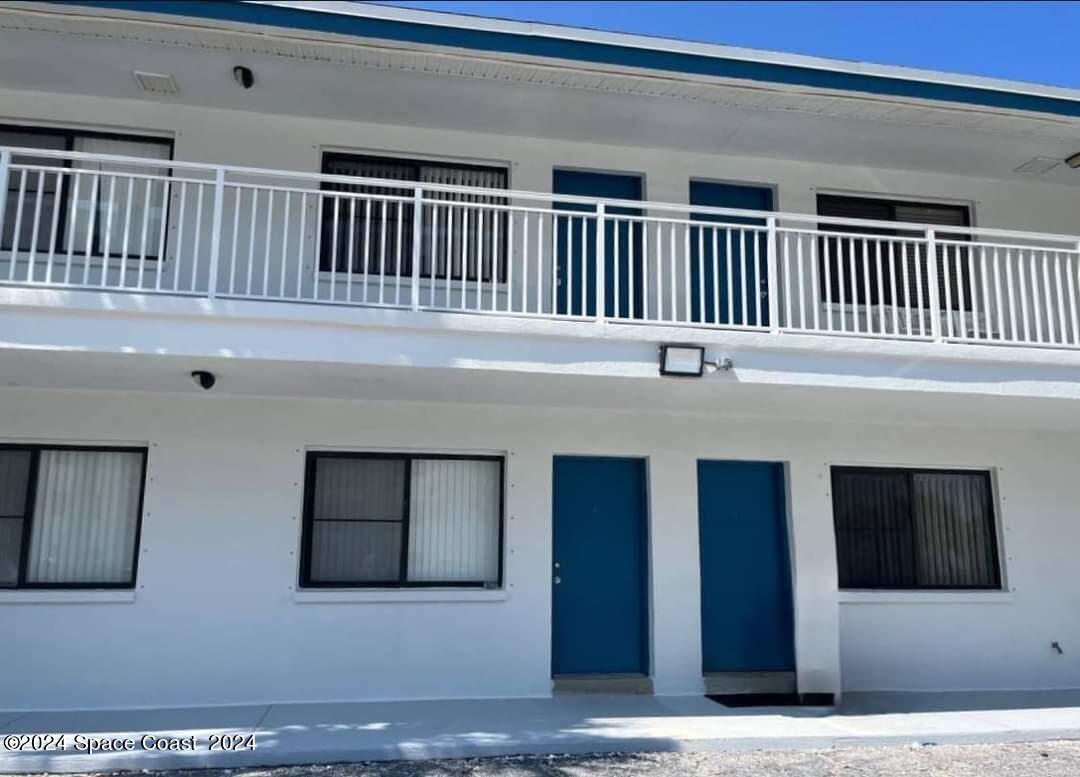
(1032, 41)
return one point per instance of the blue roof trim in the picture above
(586, 51)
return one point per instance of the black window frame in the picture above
(63, 195)
(307, 524)
(326, 218)
(27, 517)
(910, 473)
(833, 234)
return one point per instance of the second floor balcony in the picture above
(150, 226)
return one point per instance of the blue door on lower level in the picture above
(746, 608)
(599, 561)
(729, 265)
(575, 245)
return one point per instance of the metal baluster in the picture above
(285, 243)
(163, 230)
(143, 233)
(55, 225)
(71, 229)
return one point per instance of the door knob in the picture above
(557, 580)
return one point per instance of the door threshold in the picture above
(748, 700)
(731, 683)
(628, 683)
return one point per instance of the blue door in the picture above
(746, 610)
(575, 246)
(598, 581)
(717, 254)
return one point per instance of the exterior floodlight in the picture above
(1073, 161)
(682, 361)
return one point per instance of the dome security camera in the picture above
(203, 379)
(243, 76)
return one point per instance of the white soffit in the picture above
(95, 24)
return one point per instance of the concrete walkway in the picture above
(314, 733)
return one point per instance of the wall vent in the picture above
(157, 83)
(1038, 165)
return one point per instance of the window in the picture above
(70, 517)
(911, 528)
(375, 234)
(386, 520)
(97, 198)
(841, 252)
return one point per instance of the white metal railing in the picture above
(90, 221)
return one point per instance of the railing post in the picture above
(417, 235)
(932, 274)
(601, 262)
(772, 284)
(5, 166)
(215, 232)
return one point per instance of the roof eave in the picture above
(422, 28)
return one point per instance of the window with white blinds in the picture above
(370, 234)
(845, 253)
(83, 216)
(378, 520)
(914, 529)
(69, 517)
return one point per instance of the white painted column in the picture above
(528, 560)
(674, 573)
(813, 551)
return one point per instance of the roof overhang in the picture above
(596, 48)
(393, 66)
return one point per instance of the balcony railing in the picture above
(121, 224)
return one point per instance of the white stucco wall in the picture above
(297, 143)
(215, 617)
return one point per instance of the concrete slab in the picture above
(236, 718)
(336, 732)
(10, 717)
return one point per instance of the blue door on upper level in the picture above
(729, 266)
(598, 593)
(746, 608)
(575, 246)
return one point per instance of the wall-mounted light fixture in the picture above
(688, 361)
(682, 361)
(243, 76)
(1073, 161)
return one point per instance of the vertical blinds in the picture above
(954, 528)
(14, 477)
(406, 170)
(840, 251)
(361, 509)
(377, 227)
(357, 520)
(454, 521)
(914, 529)
(146, 197)
(69, 517)
(85, 517)
(104, 227)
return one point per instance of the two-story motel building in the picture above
(542, 359)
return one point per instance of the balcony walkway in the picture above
(153, 227)
(342, 732)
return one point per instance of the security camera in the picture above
(203, 379)
(243, 76)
